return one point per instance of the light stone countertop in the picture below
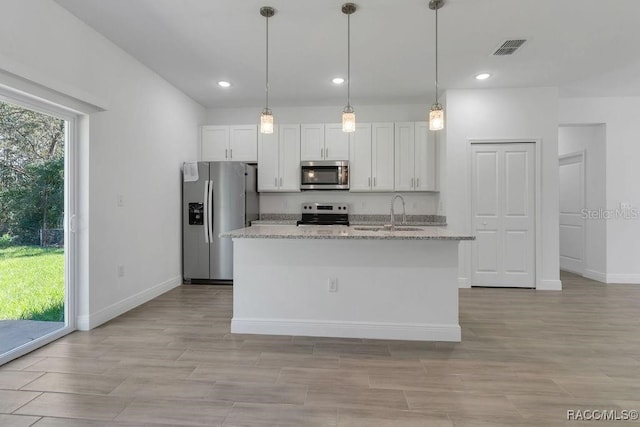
(356, 223)
(344, 232)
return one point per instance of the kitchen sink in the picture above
(387, 228)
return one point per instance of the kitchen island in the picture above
(339, 281)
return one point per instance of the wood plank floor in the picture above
(526, 358)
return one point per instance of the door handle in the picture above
(418, 182)
(280, 181)
(322, 153)
(205, 199)
(210, 216)
(369, 182)
(226, 153)
(231, 153)
(326, 153)
(411, 182)
(375, 182)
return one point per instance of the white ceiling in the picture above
(585, 47)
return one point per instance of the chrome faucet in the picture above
(393, 214)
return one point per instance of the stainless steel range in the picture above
(324, 214)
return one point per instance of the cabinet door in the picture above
(425, 158)
(382, 149)
(312, 142)
(289, 179)
(268, 161)
(243, 143)
(214, 143)
(336, 142)
(404, 154)
(360, 178)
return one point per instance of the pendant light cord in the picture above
(266, 87)
(349, 60)
(437, 54)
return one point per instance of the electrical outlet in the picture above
(121, 271)
(333, 284)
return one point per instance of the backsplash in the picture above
(359, 203)
(366, 218)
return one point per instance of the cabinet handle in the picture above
(411, 182)
(226, 153)
(275, 181)
(280, 181)
(322, 153)
(326, 153)
(231, 153)
(369, 184)
(375, 182)
(417, 182)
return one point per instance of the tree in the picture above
(31, 172)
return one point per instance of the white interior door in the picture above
(503, 212)
(571, 183)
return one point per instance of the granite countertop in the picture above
(344, 232)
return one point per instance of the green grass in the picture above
(32, 283)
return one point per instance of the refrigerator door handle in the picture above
(210, 216)
(205, 199)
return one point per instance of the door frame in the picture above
(537, 200)
(71, 196)
(582, 154)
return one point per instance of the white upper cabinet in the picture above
(382, 148)
(371, 157)
(415, 157)
(230, 143)
(279, 159)
(336, 142)
(360, 158)
(324, 142)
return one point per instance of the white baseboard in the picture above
(400, 331)
(463, 282)
(549, 285)
(88, 322)
(595, 275)
(626, 279)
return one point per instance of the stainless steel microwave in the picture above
(324, 175)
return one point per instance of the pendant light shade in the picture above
(436, 117)
(348, 115)
(266, 121)
(436, 113)
(266, 118)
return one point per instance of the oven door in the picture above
(324, 176)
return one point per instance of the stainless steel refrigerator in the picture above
(216, 197)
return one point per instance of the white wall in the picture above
(504, 114)
(133, 148)
(360, 203)
(620, 115)
(590, 139)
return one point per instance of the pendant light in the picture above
(266, 118)
(348, 115)
(436, 113)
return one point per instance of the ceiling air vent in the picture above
(509, 47)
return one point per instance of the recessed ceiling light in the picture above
(483, 76)
(337, 80)
(223, 83)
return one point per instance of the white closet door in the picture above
(503, 197)
(571, 183)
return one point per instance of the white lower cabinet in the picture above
(415, 157)
(279, 159)
(371, 157)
